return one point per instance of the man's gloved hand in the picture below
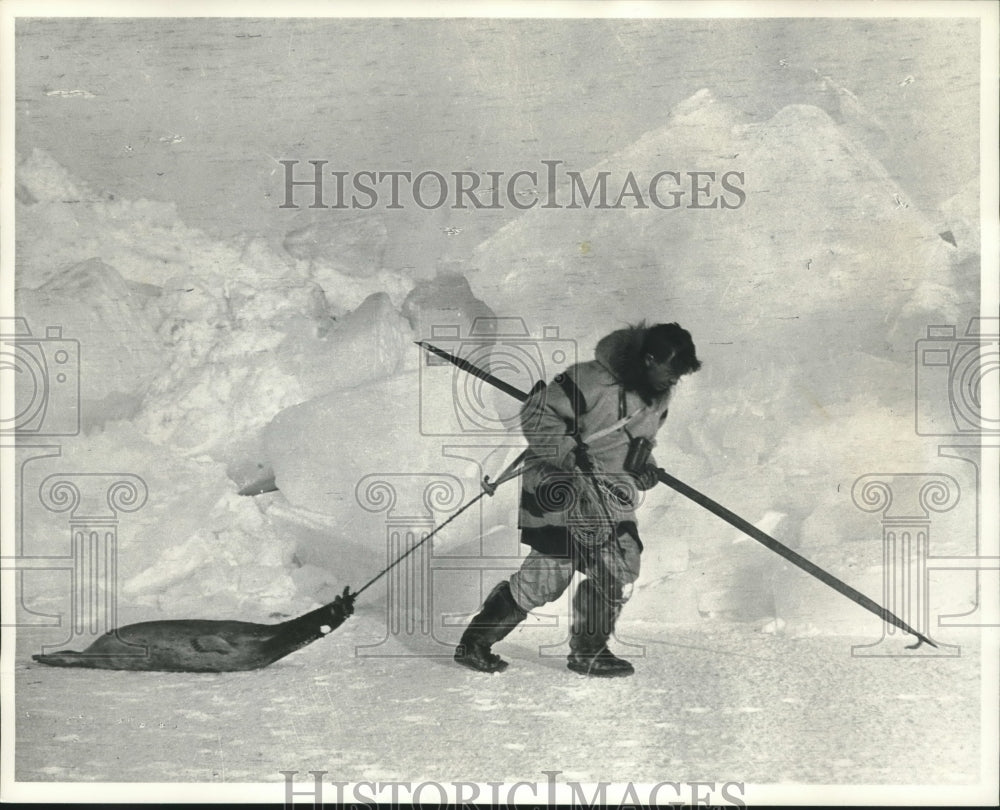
(344, 604)
(647, 478)
(582, 457)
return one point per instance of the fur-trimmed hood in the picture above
(621, 354)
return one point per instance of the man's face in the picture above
(660, 374)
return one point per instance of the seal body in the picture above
(203, 645)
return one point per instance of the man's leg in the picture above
(540, 579)
(499, 615)
(597, 604)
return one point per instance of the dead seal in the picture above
(203, 645)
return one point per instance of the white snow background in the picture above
(224, 341)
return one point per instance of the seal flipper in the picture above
(212, 643)
(63, 658)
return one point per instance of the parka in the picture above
(586, 399)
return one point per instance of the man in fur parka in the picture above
(589, 432)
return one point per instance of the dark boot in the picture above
(594, 618)
(499, 615)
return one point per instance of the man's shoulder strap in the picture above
(577, 401)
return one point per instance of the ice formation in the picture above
(209, 366)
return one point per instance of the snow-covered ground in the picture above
(227, 346)
(710, 703)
